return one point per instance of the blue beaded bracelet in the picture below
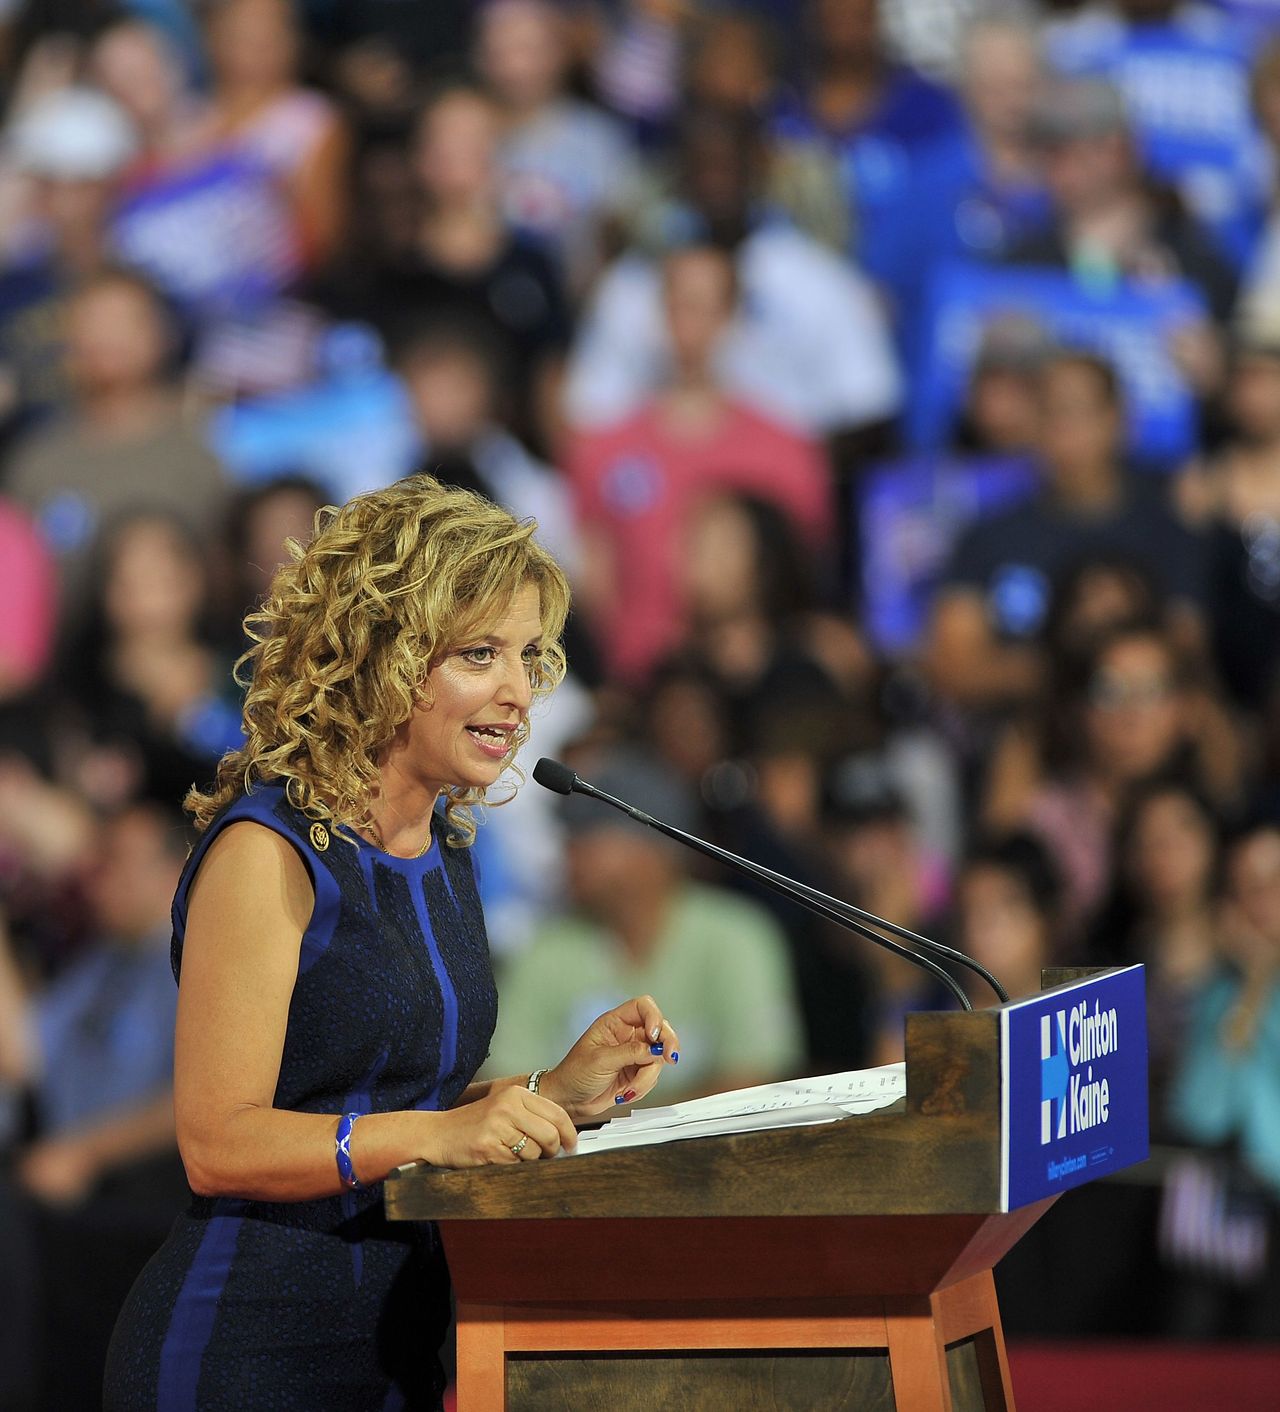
(342, 1150)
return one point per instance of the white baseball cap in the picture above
(73, 134)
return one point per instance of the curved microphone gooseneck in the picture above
(554, 775)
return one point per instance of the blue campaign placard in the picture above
(1074, 1063)
(911, 512)
(1128, 323)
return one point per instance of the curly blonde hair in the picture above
(343, 642)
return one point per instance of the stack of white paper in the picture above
(792, 1104)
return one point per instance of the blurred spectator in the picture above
(1008, 896)
(28, 722)
(977, 192)
(72, 145)
(766, 802)
(730, 62)
(880, 865)
(1260, 292)
(775, 807)
(910, 514)
(207, 213)
(1001, 414)
(1234, 497)
(422, 35)
(997, 591)
(375, 84)
(260, 523)
(1127, 713)
(349, 427)
(810, 344)
(565, 166)
(788, 759)
(640, 926)
(855, 96)
(385, 202)
(259, 109)
(96, 1187)
(451, 375)
(1227, 1087)
(912, 510)
(686, 722)
(154, 695)
(1226, 1096)
(1110, 224)
(127, 443)
(1183, 69)
(929, 34)
(28, 590)
(467, 262)
(136, 63)
(732, 66)
(761, 641)
(277, 141)
(1163, 913)
(635, 63)
(637, 481)
(754, 613)
(874, 115)
(1093, 598)
(96, 1045)
(754, 623)
(47, 842)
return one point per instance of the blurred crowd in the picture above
(899, 384)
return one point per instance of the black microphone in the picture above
(553, 775)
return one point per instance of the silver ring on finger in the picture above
(518, 1147)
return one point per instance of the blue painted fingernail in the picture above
(655, 1049)
(675, 1056)
(618, 1098)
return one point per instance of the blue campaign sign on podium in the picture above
(1075, 1089)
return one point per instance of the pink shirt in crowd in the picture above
(28, 600)
(636, 483)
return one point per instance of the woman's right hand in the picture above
(485, 1132)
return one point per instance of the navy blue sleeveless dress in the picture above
(314, 1305)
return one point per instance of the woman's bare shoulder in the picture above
(251, 870)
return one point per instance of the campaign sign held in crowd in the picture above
(215, 234)
(1129, 324)
(1075, 1088)
(1185, 79)
(911, 512)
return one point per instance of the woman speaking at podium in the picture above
(335, 993)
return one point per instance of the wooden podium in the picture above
(846, 1265)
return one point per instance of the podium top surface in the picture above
(941, 1151)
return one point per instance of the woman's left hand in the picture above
(614, 1061)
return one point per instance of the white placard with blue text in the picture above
(1075, 1086)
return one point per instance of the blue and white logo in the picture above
(1071, 1098)
(1053, 1077)
(1075, 1085)
(633, 485)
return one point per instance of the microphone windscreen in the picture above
(551, 774)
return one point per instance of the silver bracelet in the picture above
(535, 1080)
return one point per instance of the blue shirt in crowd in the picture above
(1225, 1095)
(105, 1029)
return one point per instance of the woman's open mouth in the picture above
(495, 741)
